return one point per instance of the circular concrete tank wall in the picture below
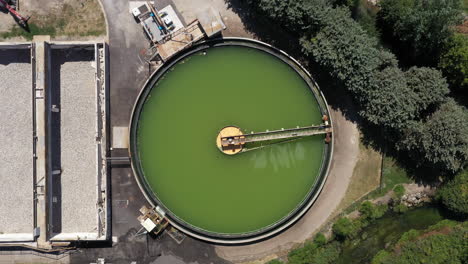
(177, 116)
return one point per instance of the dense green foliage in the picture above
(313, 253)
(419, 29)
(370, 211)
(441, 140)
(320, 239)
(402, 104)
(454, 194)
(444, 242)
(344, 228)
(454, 62)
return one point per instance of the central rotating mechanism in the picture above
(231, 140)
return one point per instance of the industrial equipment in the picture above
(23, 21)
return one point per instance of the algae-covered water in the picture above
(179, 122)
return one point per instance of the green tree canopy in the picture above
(454, 63)
(441, 140)
(454, 194)
(429, 86)
(419, 28)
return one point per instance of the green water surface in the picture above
(182, 116)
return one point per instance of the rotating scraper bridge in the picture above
(231, 140)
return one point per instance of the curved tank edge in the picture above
(275, 228)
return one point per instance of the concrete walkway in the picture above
(346, 136)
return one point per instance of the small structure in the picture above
(153, 220)
(207, 25)
(149, 20)
(230, 140)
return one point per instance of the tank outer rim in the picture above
(268, 231)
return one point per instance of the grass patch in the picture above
(366, 176)
(76, 19)
(34, 29)
(392, 175)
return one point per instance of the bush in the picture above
(443, 224)
(320, 239)
(454, 63)
(344, 228)
(370, 211)
(312, 253)
(410, 235)
(380, 257)
(454, 194)
(399, 191)
(327, 254)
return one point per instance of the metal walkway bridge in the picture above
(286, 134)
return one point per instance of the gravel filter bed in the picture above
(74, 77)
(16, 142)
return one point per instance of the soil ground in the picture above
(62, 19)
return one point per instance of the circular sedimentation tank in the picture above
(237, 83)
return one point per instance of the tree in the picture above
(393, 103)
(454, 63)
(441, 141)
(454, 194)
(421, 28)
(430, 89)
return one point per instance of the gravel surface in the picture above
(77, 139)
(16, 142)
